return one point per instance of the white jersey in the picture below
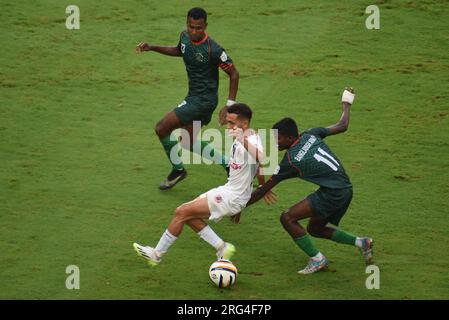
(242, 169)
(230, 199)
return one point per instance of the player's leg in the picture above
(163, 129)
(319, 228)
(289, 220)
(331, 206)
(224, 249)
(195, 209)
(201, 109)
(192, 214)
(203, 148)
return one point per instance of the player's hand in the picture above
(237, 133)
(348, 95)
(236, 218)
(270, 197)
(143, 46)
(222, 116)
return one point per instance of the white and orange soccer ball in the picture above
(223, 273)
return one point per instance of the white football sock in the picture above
(208, 235)
(165, 242)
(318, 257)
(358, 242)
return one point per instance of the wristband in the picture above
(347, 97)
(229, 103)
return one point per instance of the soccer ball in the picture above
(223, 273)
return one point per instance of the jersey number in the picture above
(327, 159)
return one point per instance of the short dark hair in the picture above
(287, 127)
(242, 110)
(197, 13)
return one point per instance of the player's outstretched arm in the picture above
(234, 77)
(260, 176)
(261, 191)
(270, 197)
(168, 51)
(342, 125)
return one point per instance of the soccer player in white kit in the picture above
(227, 200)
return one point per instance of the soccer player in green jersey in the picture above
(202, 58)
(309, 158)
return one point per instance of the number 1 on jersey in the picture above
(329, 160)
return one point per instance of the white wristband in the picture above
(347, 97)
(229, 103)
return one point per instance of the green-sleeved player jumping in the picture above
(309, 158)
(202, 58)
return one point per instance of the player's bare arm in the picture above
(234, 76)
(343, 124)
(252, 149)
(270, 197)
(260, 176)
(166, 50)
(261, 191)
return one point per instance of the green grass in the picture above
(80, 162)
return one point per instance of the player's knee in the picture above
(311, 230)
(315, 231)
(157, 130)
(285, 219)
(181, 212)
(160, 130)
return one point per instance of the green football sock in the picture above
(306, 245)
(173, 157)
(204, 148)
(341, 236)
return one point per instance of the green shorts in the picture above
(196, 108)
(330, 204)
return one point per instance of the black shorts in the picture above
(196, 108)
(330, 204)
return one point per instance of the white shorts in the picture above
(222, 203)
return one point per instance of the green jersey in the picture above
(202, 60)
(309, 158)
